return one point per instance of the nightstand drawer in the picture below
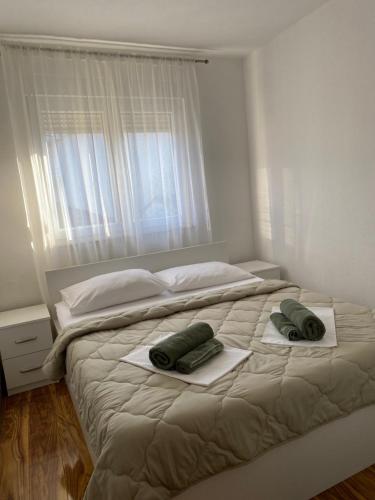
(24, 339)
(24, 369)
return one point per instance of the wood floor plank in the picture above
(14, 451)
(43, 455)
(43, 444)
(361, 486)
(76, 461)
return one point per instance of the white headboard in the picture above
(61, 278)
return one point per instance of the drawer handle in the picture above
(27, 339)
(27, 370)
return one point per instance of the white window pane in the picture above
(152, 167)
(81, 178)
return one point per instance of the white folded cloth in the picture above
(216, 367)
(272, 336)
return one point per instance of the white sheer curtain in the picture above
(109, 152)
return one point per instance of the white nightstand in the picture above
(261, 269)
(25, 341)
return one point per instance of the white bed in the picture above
(296, 470)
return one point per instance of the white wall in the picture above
(18, 282)
(221, 86)
(311, 111)
(224, 130)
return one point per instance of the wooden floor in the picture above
(43, 455)
(358, 487)
(42, 451)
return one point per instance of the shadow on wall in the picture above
(286, 207)
(280, 224)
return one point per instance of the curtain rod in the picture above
(103, 52)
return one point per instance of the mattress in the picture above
(154, 436)
(66, 319)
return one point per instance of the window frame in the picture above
(151, 226)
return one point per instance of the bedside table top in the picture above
(256, 265)
(23, 315)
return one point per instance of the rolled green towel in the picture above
(165, 354)
(198, 356)
(311, 327)
(286, 327)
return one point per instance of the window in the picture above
(80, 163)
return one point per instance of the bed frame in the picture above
(295, 470)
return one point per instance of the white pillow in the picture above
(201, 275)
(110, 289)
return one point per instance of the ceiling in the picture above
(231, 26)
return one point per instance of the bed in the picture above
(286, 423)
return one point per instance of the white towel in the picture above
(216, 367)
(272, 336)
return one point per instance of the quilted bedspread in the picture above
(154, 436)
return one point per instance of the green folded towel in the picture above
(165, 354)
(198, 356)
(286, 327)
(310, 326)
